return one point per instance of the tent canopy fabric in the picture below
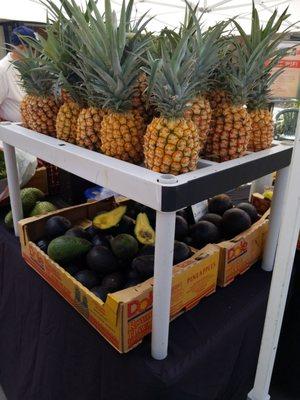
(167, 12)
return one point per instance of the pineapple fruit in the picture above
(111, 82)
(205, 47)
(172, 142)
(39, 107)
(267, 38)
(262, 129)
(230, 128)
(88, 131)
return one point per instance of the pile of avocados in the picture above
(114, 253)
(222, 222)
(33, 204)
(117, 250)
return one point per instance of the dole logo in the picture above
(236, 251)
(138, 306)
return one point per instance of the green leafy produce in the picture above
(65, 248)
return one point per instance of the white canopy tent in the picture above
(166, 12)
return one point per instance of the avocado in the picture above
(132, 274)
(144, 266)
(147, 250)
(8, 220)
(72, 268)
(29, 196)
(151, 214)
(77, 231)
(66, 248)
(100, 292)
(109, 219)
(203, 233)
(181, 252)
(215, 219)
(87, 278)
(133, 209)
(56, 226)
(219, 204)
(102, 260)
(42, 207)
(143, 230)
(250, 210)
(92, 231)
(181, 227)
(100, 240)
(113, 282)
(182, 213)
(234, 222)
(188, 240)
(132, 282)
(126, 225)
(124, 246)
(43, 244)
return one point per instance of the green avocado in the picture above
(8, 220)
(29, 197)
(42, 207)
(124, 246)
(66, 248)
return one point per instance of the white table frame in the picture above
(166, 194)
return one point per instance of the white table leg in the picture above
(13, 184)
(288, 235)
(259, 185)
(275, 219)
(164, 249)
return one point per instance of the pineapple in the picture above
(205, 46)
(230, 128)
(39, 107)
(111, 79)
(172, 141)
(59, 57)
(266, 38)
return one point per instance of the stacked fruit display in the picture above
(33, 204)
(114, 253)
(117, 251)
(161, 98)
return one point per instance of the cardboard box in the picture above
(239, 254)
(261, 203)
(125, 318)
(39, 181)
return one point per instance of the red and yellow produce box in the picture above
(125, 317)
(240, 253)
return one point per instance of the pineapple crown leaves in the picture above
(269, 33)
(110, 61)
(170, 85)
(35, 78)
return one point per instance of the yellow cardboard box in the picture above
(125, 318)
(240, 253)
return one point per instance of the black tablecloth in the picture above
(49, 352)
